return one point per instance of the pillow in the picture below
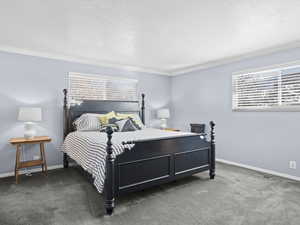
(135, 118)
(114, 127)
(104, 119)
(114, 120)
(87, 123)
(95, 114)
(126, 125)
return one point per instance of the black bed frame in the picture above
(148, 163)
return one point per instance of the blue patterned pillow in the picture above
(113, 126)
(126, 125)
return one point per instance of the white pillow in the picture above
(87, 122)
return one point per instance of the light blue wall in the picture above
(35, 81)
(268, 140)
(263, 139)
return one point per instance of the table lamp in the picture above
(163, 115)
(30, 115)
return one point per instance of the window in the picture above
(98, 87)
(278, 89)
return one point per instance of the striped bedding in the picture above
(88, 148)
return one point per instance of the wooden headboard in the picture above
(72, 112)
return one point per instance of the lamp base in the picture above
(29, 130)
(163, 124)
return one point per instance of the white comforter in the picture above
(88, 148)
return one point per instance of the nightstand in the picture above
(18, 142)
(171, 129)
(197, 128)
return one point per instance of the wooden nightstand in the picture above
(18, 142)
(171, 129)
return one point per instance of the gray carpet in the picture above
(236, 197)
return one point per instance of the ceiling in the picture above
(161, 36)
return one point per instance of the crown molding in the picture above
(270, 68)
(172, 72)
(228, 60)
(83, 60)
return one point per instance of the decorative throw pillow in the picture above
(113, 126)
(87, 123)
(104, 120)
(135, 118)
(126, 125)
(113, 120)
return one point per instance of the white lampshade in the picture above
(30, 114)
(163, 113)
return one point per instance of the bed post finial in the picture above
(110, 174)
(212, 150)
(143, 108)
(65, 97)
(66, 124)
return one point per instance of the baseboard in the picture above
(34, 170)
(271, 172)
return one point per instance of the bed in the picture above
(123, 162)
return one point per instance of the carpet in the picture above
(237, 196)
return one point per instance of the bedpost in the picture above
(66, 124)
(143, 108)
(212, 167)
(109, 178)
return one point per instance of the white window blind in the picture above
(99, 87)
(266, 91)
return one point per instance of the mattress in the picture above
(88, 148)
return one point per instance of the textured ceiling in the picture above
(155, 35)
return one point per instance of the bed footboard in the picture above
(151, 163)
